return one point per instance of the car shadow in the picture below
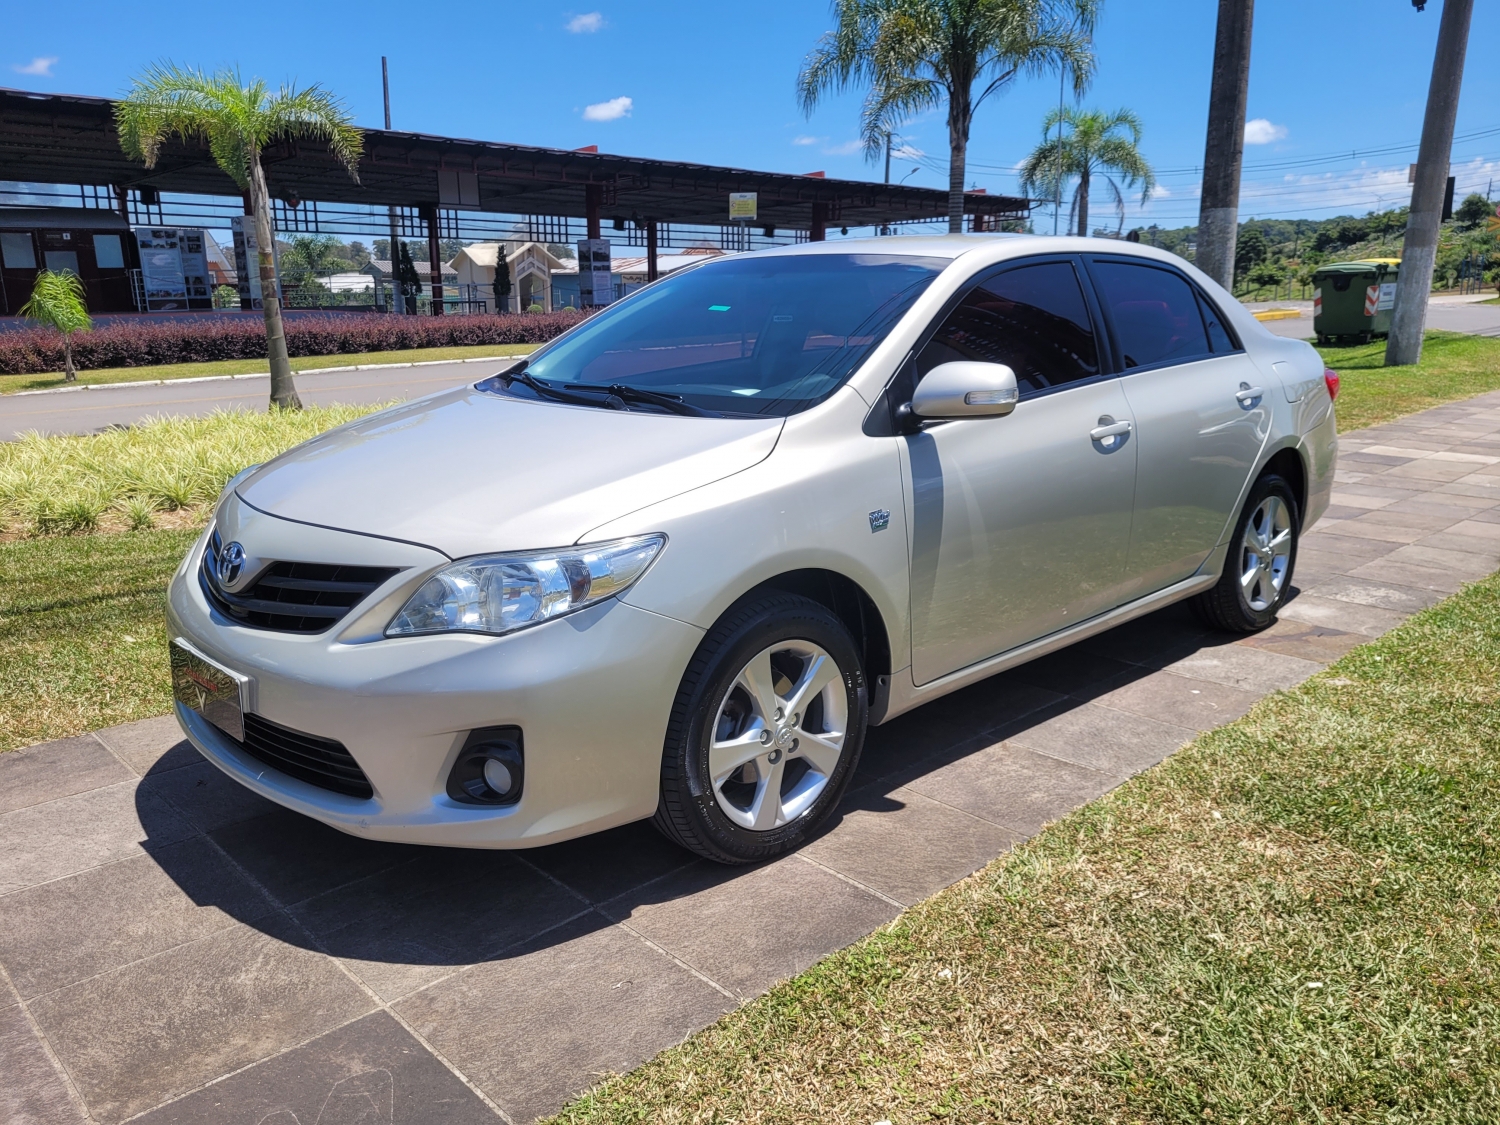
(410, 908)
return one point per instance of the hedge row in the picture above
(38, 350)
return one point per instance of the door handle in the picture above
(1247, 394)
(1108, 430)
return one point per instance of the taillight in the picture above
(1331, 377)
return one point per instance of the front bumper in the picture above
(592, 693)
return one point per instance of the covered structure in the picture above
(435, 185)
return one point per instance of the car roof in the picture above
(992, 247)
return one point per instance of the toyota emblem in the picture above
(231, 562)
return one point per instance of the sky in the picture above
(1337, 87)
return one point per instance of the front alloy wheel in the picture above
(779, 735)
(765, 732)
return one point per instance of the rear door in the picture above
(1200, 408)
(1019, 524)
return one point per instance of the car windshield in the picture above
(756, 334)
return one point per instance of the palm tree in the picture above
(917, 55)
(238, 122)
(57, 301)
(1095, 144)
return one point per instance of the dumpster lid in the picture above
(1367, 265)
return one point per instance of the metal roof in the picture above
(71, 139)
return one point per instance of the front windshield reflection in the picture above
(770, 334)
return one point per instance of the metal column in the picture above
(593, 197)
(819, 229)
(434, 257)
(651, 274)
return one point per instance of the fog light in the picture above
(490, 769)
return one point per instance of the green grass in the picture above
(82, 636)
(1294, 919)
(12, 383)
(126, 478)
(1454, 366)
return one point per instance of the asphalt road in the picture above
(1454, 314)
(88, 411)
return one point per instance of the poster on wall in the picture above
(596, 286)
(161, 269)
(195, 268)
(247, 259)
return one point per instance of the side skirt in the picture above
(903, 695)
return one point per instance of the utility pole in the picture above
(1419, 251)
(887, 156)
(1224, 149)
(396, 298)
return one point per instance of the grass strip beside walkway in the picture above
(12, 383)
(1454, 366)
(83, 639)
(1293, 919)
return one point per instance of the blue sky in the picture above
(684, 80)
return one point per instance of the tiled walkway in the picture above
(178, 950)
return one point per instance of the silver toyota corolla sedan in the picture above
(675, 563)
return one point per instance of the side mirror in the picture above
(966, 389)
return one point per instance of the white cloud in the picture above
(807, 140)
(588, 22)
(848, 148)
(612, 110)
(1259, 131)
(39, 66)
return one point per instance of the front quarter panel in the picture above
(808, 506)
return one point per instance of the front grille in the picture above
(291, 597)
(317, 761)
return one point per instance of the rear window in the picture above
(1155, 314)
(757, 334)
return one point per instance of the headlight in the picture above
(502, 593)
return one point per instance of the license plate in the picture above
(211, 691)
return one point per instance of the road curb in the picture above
(250, 375)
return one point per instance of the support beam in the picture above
(1424, 222)
(247, 303)
(819, 230)
(434, 257)
(593, 197)
(122, 202)
(1224, 150)
(651, 273)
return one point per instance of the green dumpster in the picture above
(1352, 301)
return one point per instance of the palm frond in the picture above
(57, 301)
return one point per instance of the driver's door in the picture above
(1020, 524)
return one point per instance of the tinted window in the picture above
(1155, 313)
(1218, 331)
(1032, 318)
(753, 334)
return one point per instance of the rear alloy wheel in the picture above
(765, 733)
(1258, 571)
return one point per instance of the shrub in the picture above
(145, 344)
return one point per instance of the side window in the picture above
(1032, 318)
(1218, 331)
(1155, 313)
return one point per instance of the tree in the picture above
(310, 255)
(1251, 249)
(1473, 211)
(57, 301)
(239, 122)
(1094, 144)
(920, 55)
(502, 280)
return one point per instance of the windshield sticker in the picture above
(718, 308)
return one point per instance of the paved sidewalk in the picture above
(176, 949)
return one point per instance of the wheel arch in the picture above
(847, 600)
(1287, 462)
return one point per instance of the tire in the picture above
(1257, 573)
(736, 705)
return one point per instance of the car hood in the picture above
(469, 472)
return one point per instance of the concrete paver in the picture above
(174, 946)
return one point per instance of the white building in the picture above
(531, 267)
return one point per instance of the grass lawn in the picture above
(82, 637)
(11, 383)
(1292, 920)
(1454, 366)
(170, 469)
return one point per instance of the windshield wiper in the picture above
(626, 394)
(546, 390)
